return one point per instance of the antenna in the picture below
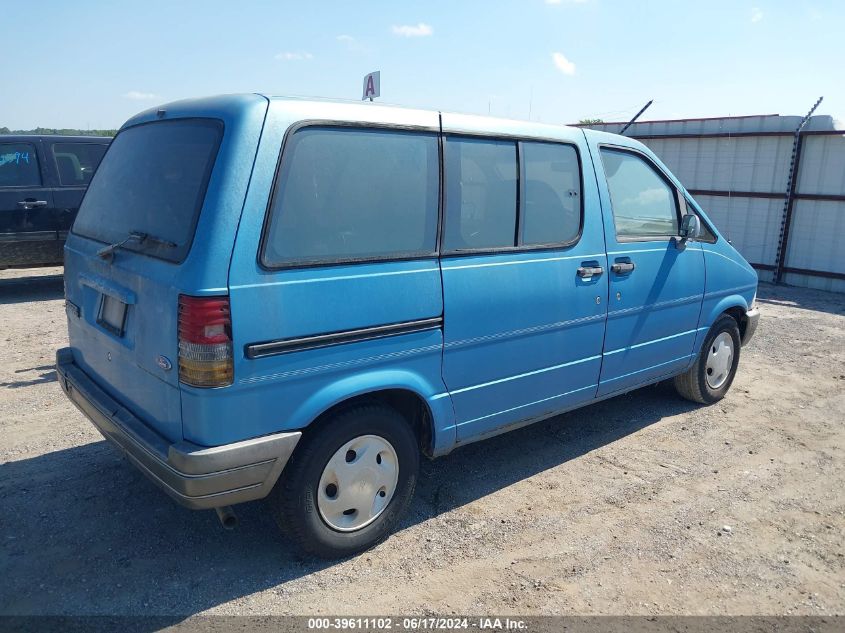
(636, 116)
(530, 102)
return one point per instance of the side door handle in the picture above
(32, 204)
(622, 268)
(589, 271)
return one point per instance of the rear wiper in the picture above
(107, 253)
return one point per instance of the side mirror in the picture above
(690, 227)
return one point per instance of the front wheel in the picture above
(710, 377)
(348, 482)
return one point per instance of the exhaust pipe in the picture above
(227, 516)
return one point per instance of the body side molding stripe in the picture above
(286, 346)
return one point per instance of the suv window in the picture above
(152, 180)
(19, 165)
(643, 203)
(77, 162)
(551, 193)
(346, 194)
(481, 177)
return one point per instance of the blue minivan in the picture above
(295, 299)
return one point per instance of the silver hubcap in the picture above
(358, 483)
(719, 360)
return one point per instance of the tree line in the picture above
(49, 131)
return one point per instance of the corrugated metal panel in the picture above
(765, 123)
(766, 276)
(728, 164)
(751, 224)
(761, 164)
(812, 281)
(822, 165)
(815, 242)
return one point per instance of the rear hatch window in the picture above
(152, 183)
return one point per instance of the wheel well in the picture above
(738, 315)
(410, 405)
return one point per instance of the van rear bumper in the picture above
(195, 476)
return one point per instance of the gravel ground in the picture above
(643, 504)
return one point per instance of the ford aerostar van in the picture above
(295, 299)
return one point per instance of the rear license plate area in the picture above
(112, 315)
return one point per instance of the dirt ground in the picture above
(644, 504)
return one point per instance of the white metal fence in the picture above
(738, 170)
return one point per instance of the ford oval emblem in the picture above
(164, 363)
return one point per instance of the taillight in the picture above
(205, 341)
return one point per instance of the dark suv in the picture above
(42, 181)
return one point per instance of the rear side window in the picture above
(481, 177)
(19, 165)
(152, 180)
(77, 162)
(550, 212)
(643, 203)
(347, 194)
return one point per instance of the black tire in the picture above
(692, 384)
(294, 498)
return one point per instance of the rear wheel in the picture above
(348, 482)
(710, 377)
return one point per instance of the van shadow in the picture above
(82, 532)
(476, 470)
(34, 288)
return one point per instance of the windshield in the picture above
(152, 180)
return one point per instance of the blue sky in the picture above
(94, 64)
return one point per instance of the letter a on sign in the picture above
(372, 86)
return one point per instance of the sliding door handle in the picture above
(589, 271)
(622, 268)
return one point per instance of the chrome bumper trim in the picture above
(196, 476)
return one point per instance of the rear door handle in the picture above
(622, 268)
(589, 271)
(32, 204)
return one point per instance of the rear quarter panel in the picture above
(289, 391)
(134, 377)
